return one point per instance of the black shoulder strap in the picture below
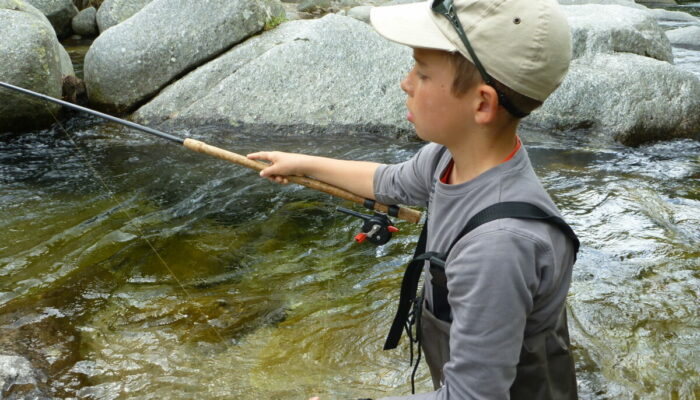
(409, 284)
(515, 209)
(411, 277)
(409, 287)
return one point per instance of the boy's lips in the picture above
(409, 116)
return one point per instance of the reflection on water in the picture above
(195, 278)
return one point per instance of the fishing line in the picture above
(135, 222)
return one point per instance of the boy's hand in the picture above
(281, 165)
(354, 176)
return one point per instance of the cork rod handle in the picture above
(406, 214)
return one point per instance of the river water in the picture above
(133, 268)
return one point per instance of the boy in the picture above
(503, 334)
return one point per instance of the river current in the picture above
(134, 268)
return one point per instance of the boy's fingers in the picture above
(276, 179)
(259, 155)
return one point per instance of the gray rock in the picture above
(132, 61)
(360, 13)
(612, 28)
(685, 37)
(85, 23)
(59, 12)
(332, 74)
(31, 59)
(626, 3)
(625, 97)
(673, 16)
(113, 12)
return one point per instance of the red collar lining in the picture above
(450, 166)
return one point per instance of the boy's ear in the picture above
(487, 104)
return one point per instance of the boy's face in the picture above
(438, 115)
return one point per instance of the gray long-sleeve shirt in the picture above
(507, 279)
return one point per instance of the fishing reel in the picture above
(377, 228)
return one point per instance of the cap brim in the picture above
(411, 25)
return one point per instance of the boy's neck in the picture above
(480, 151)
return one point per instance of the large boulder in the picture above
(688, 36)
(113, 12)
(625, 97)
(59, 12)
(613, 28)
(132, 61)
(330, 74)
(31, 57)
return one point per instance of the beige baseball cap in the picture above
(524, 44)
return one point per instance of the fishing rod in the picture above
(404, 213)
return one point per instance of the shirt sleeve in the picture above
(408, 182)
(491, 280)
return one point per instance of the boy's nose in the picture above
(406, 84)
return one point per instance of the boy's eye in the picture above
(421, 75)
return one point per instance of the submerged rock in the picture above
(19, 379)
(113, 12)
(85, 23)
(329, 74)
(59, 12)
(613, 28)
(132, 61)
(31, 58)
(625, 97)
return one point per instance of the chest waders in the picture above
(545, 369)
